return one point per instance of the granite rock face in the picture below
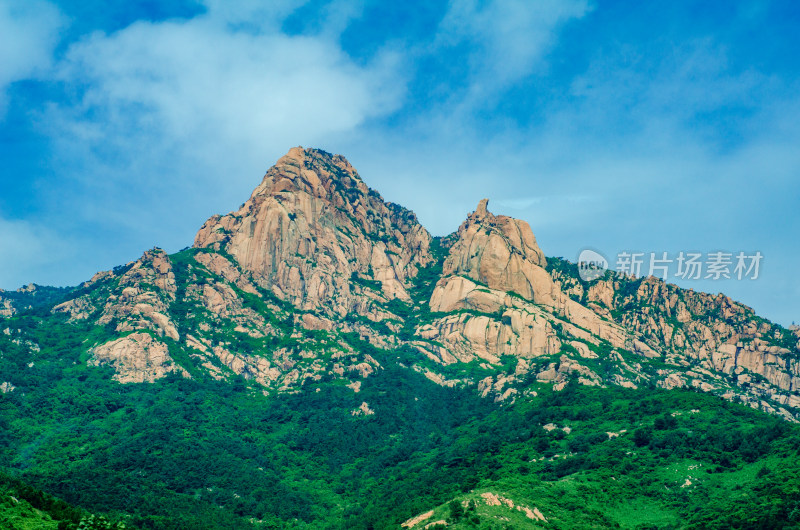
(495, 267)
(7, 308)
(501, 253)
(311, 226)
(712, 342)
(136, 358)
(140, 301)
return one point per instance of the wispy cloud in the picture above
(28, 35)
(506, 39)
(479, 52)
(198, 83)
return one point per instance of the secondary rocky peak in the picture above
(500, 252)
(518, 233)
(495, 267)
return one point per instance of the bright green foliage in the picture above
(23, 507)
(185, 453)
(199, 453)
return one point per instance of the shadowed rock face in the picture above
(311, 225)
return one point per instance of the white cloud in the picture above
(507, 38)
(173, 121)
(205, 84)
(28, 34)
(251, 15)
(664, 91)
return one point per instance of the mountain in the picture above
(318, 359)
(315, 250)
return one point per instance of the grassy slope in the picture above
(20, 515)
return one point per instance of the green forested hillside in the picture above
(199, 453)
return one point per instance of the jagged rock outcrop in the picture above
(494, 267)
(714, 343)
(312, 226)
(140, 307)
(7, 308)
(501, 253)
(136, 358)
(139, 301)
(77, 308)
(230, 326)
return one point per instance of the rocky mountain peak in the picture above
(500, 252)
(312, 226)
(315, 172)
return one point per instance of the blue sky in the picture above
(620, 126)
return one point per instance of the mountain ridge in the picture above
(278, 290)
